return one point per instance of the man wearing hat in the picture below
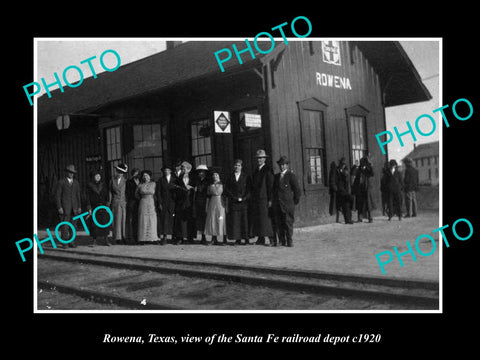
(68, 201)
(261, 201)
(286, 194)
(178, 168)
(410, 183)
(394, 188)
(118, 203)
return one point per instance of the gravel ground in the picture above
(189, 293)
(337, 248)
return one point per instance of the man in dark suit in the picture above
(237, 191)
(68, 201)
(286, 194)
(394, 187)
(261, 201)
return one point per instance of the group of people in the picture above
(352, 190)
(184, 203)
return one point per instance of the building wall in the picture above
(177, 108)
(294, 75)
(295, 80)
(79, 145)
(428, 170)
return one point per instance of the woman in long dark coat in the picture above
(165, 197)
(97, 195)
(343, 193)
(237, 191)
(200, 200)
(332, 187)
(184, 226)
(384, 188)
(363, 185)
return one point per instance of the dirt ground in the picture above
(188, 293)
(336, 248)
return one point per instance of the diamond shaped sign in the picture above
(222, 121)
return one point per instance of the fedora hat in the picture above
(122, 167)
(283, 160)
(261, 154)
(71, 169)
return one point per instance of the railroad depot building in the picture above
(313, 101)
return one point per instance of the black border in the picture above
(406, 334)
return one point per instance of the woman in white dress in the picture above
(147, 216)
(215, 224)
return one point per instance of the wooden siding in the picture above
(294, 74)
(182, 105)
(295, 81)
(77, 145)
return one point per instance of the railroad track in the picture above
(414, 294)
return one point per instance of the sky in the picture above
(425, 57)
(56, 55)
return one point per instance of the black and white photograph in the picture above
(198, 181)
(239, 180)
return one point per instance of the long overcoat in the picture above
(238, 195)
(260, 214)
(184, 221)
(200, 203)
(165, 196)
(363, 188)
(97, 195)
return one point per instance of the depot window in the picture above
(312, 123)
(201, 141)
(114, 147)
(358, 138)
(357, 128)
(149, 147)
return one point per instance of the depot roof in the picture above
(398, 77)
(195, 60)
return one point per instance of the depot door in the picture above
(247, 145)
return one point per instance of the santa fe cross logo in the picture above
(331, 52)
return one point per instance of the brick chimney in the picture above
(173, 44)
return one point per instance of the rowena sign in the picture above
(336, 81)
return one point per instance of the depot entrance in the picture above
(248, 139)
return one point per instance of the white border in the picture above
(35, 154)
